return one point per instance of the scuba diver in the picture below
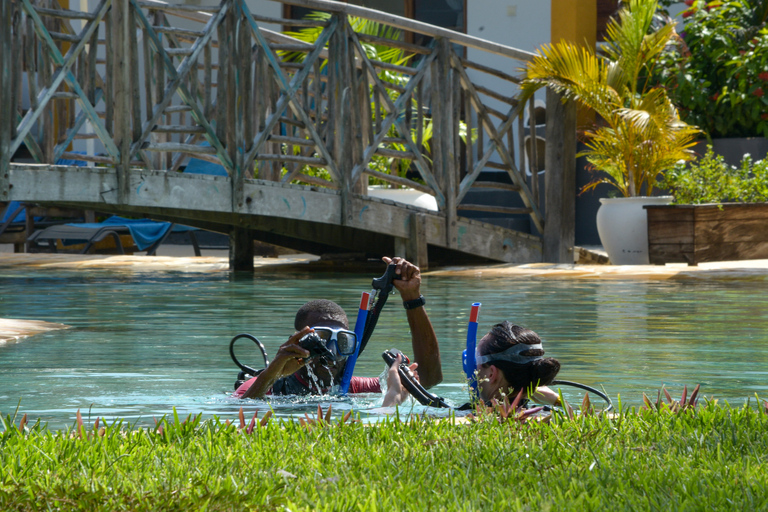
(307, 365)
(508, 359)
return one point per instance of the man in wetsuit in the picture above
(289, 371)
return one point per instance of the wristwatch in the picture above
(415, 303)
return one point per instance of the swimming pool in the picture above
(144, 342)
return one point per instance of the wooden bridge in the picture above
(302, 128)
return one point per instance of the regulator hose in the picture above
(589, 389)
(409, 381)
(247, 369)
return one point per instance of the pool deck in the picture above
(13, 330)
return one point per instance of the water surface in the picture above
(142, 343)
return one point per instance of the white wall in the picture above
(521, 24)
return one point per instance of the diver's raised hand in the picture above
(289, 359)
(426, 351)
(409, 284)
(291, 356)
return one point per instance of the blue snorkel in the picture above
(362, 316)
(468, 356)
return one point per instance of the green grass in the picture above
(707, 458)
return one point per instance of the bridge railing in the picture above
(145, 84)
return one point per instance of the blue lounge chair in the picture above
(147, 234)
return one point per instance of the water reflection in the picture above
(143, 343)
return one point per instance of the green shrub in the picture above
(717, 74)
(711, 180)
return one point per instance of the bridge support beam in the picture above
(241, 250)
(560, 181)
(414, 248)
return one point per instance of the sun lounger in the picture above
(147, 234)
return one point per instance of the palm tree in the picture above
(639, 134)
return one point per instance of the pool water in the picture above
(143, 343)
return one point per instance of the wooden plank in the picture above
(665, 233)
(207, 80)
(728, 231)
(730, 251)
(397, 180)
(6, 106)
(560, 189)
(394, 43)
(414, 26)
(108, 75)
(176, 146)
(17, 56)
(272, 205)
(97, 159)
(489, 70)
(393, 67)
(122, 91)
(134, 72)
(731, 212)
(494, 209)
(65, 13)
(679, 252)
(416, 248)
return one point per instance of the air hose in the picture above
(247, 372)
(589, 389)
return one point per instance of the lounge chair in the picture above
(18, 220)
(147, 234)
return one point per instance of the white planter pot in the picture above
(623, 228)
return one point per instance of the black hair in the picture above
(327, 309)
(540, 372)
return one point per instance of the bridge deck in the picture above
(298, 215)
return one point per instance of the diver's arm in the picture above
(396, 392)
(545, 395)
(288, 360)
(426, 351)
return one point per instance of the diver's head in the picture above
(320, 312)
(323, 313)
(505, 364)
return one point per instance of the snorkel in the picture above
(468, 356)
(362, 316)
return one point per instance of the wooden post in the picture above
(240, 250)
(445, 165)
(560, 181)
(7, 110)
(416, 251)
(122, 91)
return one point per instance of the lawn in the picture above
(710, 457)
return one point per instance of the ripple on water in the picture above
(140, 344)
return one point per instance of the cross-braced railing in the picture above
(148, 85)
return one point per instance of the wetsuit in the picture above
(295, 385)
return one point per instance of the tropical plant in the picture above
(717, 72)
(638, 134)
(711, 180)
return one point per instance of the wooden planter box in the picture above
(696, 233)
